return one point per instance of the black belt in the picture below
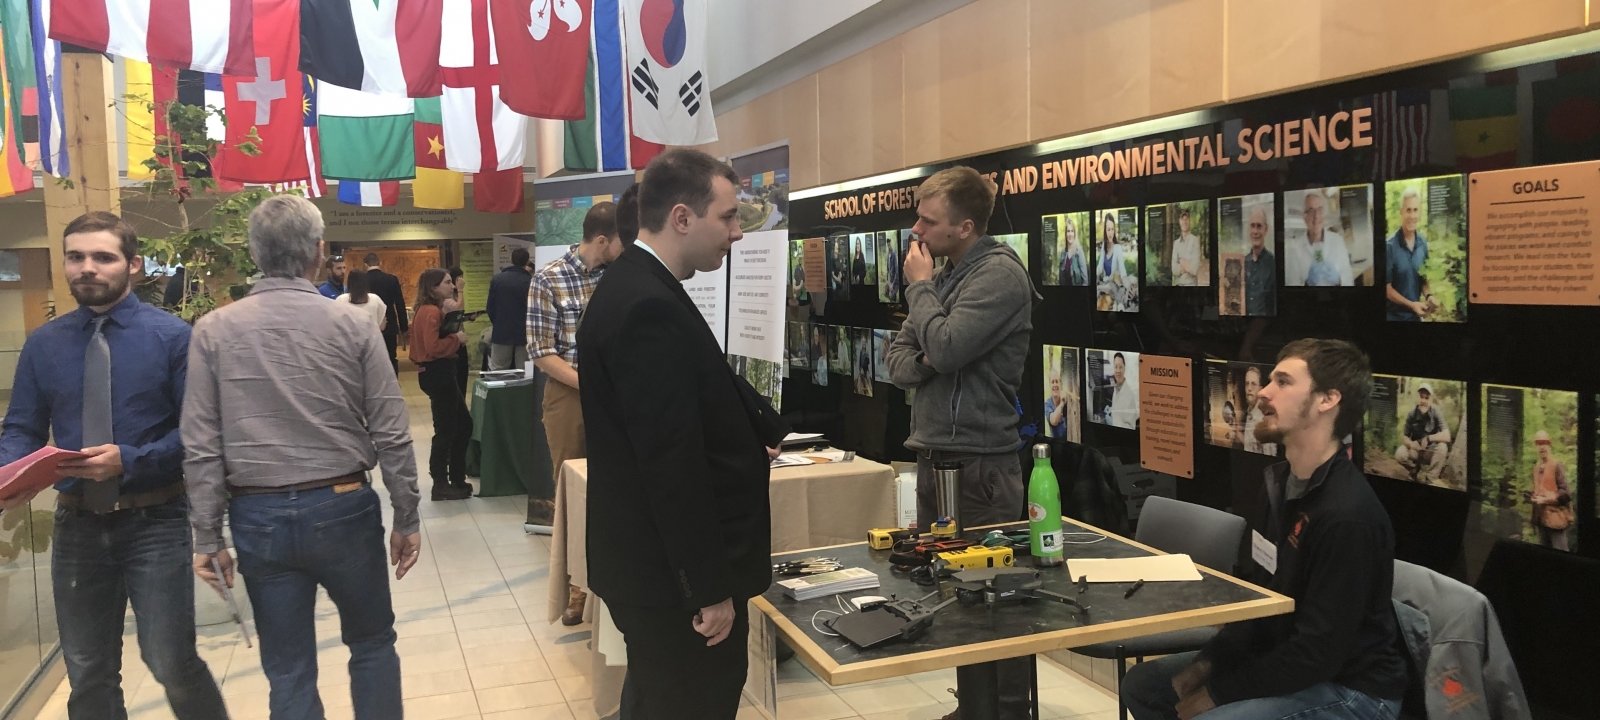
(355, 478)
(128, 501)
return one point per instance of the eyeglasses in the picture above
(336, 258)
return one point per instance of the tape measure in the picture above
(976, 557)
(885, 538)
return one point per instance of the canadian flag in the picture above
(207, 35)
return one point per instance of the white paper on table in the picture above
(795, 437)
(791, 460)
(1151, 568)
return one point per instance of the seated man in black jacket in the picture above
(1324, 540)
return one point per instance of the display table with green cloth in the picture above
(507, 452)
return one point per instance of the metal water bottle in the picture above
(1044, 510)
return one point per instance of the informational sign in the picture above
(1166, 414)
(709, 291)
(1532, 235)
(756, 299)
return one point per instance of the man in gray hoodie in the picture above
(962, 348)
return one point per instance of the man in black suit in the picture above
(387, 288)
(679, 534)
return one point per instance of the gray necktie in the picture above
(98, 497)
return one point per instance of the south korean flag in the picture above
(671, 96)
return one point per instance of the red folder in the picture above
(34, 472)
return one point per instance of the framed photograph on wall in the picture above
(1116, 260)
(1247, 271)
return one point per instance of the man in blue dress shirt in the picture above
(108, 378)
(333, 287)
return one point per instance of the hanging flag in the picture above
(481, 134)
(206, 35)
(1566, 117)
(23, 98)
(667, 71)
(205, 90)
(1486, 127)
(315, 185)
(497, 191)
(436, 187)
(15, 177)
(46, 68)
(267, 102)
(369, 194)
(137, 98)
(603, 140)
(389, 47)
(553, 36)
(364, 136)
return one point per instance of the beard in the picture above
(98, 292)
(1267, 430)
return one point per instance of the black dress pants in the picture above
(672, 675)
(452, 422)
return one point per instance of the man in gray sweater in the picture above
(962, 348)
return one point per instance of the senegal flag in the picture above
(1486, 128)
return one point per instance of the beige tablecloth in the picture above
(812, 506)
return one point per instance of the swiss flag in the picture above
(552, 37)
(206, 35)
(270, 101)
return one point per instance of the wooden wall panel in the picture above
(1279, 45)
(1186, 54)
(1091, 64)
(966, 81)
(862, 113)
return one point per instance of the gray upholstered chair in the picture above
(1208, 536)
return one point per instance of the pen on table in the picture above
(1133, 590)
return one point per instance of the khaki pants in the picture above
(563, 424)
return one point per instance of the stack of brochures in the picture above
(829, 583)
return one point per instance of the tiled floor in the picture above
(474, 644)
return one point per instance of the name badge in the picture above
(1263, 552)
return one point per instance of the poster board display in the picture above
(1532, 235)
(1166, 414)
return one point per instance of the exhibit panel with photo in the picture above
(840, 361)
(763, 375)
(1528, 486)
(880, 353)
(1425, 253)
(1247, 270)
(1116, 260)
(1064, 242)
(1178, 244)
(1416, 430)
(797, 273)
(1327, 237)
(1232, 392)
(861, 366)
(1018, 242)
(797, 345)
(821, 347)
(1062, 417)
(889, 266)
(1111, 387)
(839, 267)
(863, 259)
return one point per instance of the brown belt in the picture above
(355, 478)
(129, 501)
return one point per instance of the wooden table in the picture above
(812, 505)
(967, 636)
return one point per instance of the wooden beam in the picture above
(86, 90)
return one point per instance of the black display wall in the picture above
(1423, 125)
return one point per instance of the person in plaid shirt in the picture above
(556, 299)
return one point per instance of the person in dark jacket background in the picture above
(508, 314)
(387, 288)
(1326, 542)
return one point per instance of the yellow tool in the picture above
(885, 538)
(942, 528)
(975, 557)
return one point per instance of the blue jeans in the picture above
(288, 544)
(101, 563)
(1147, 691)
